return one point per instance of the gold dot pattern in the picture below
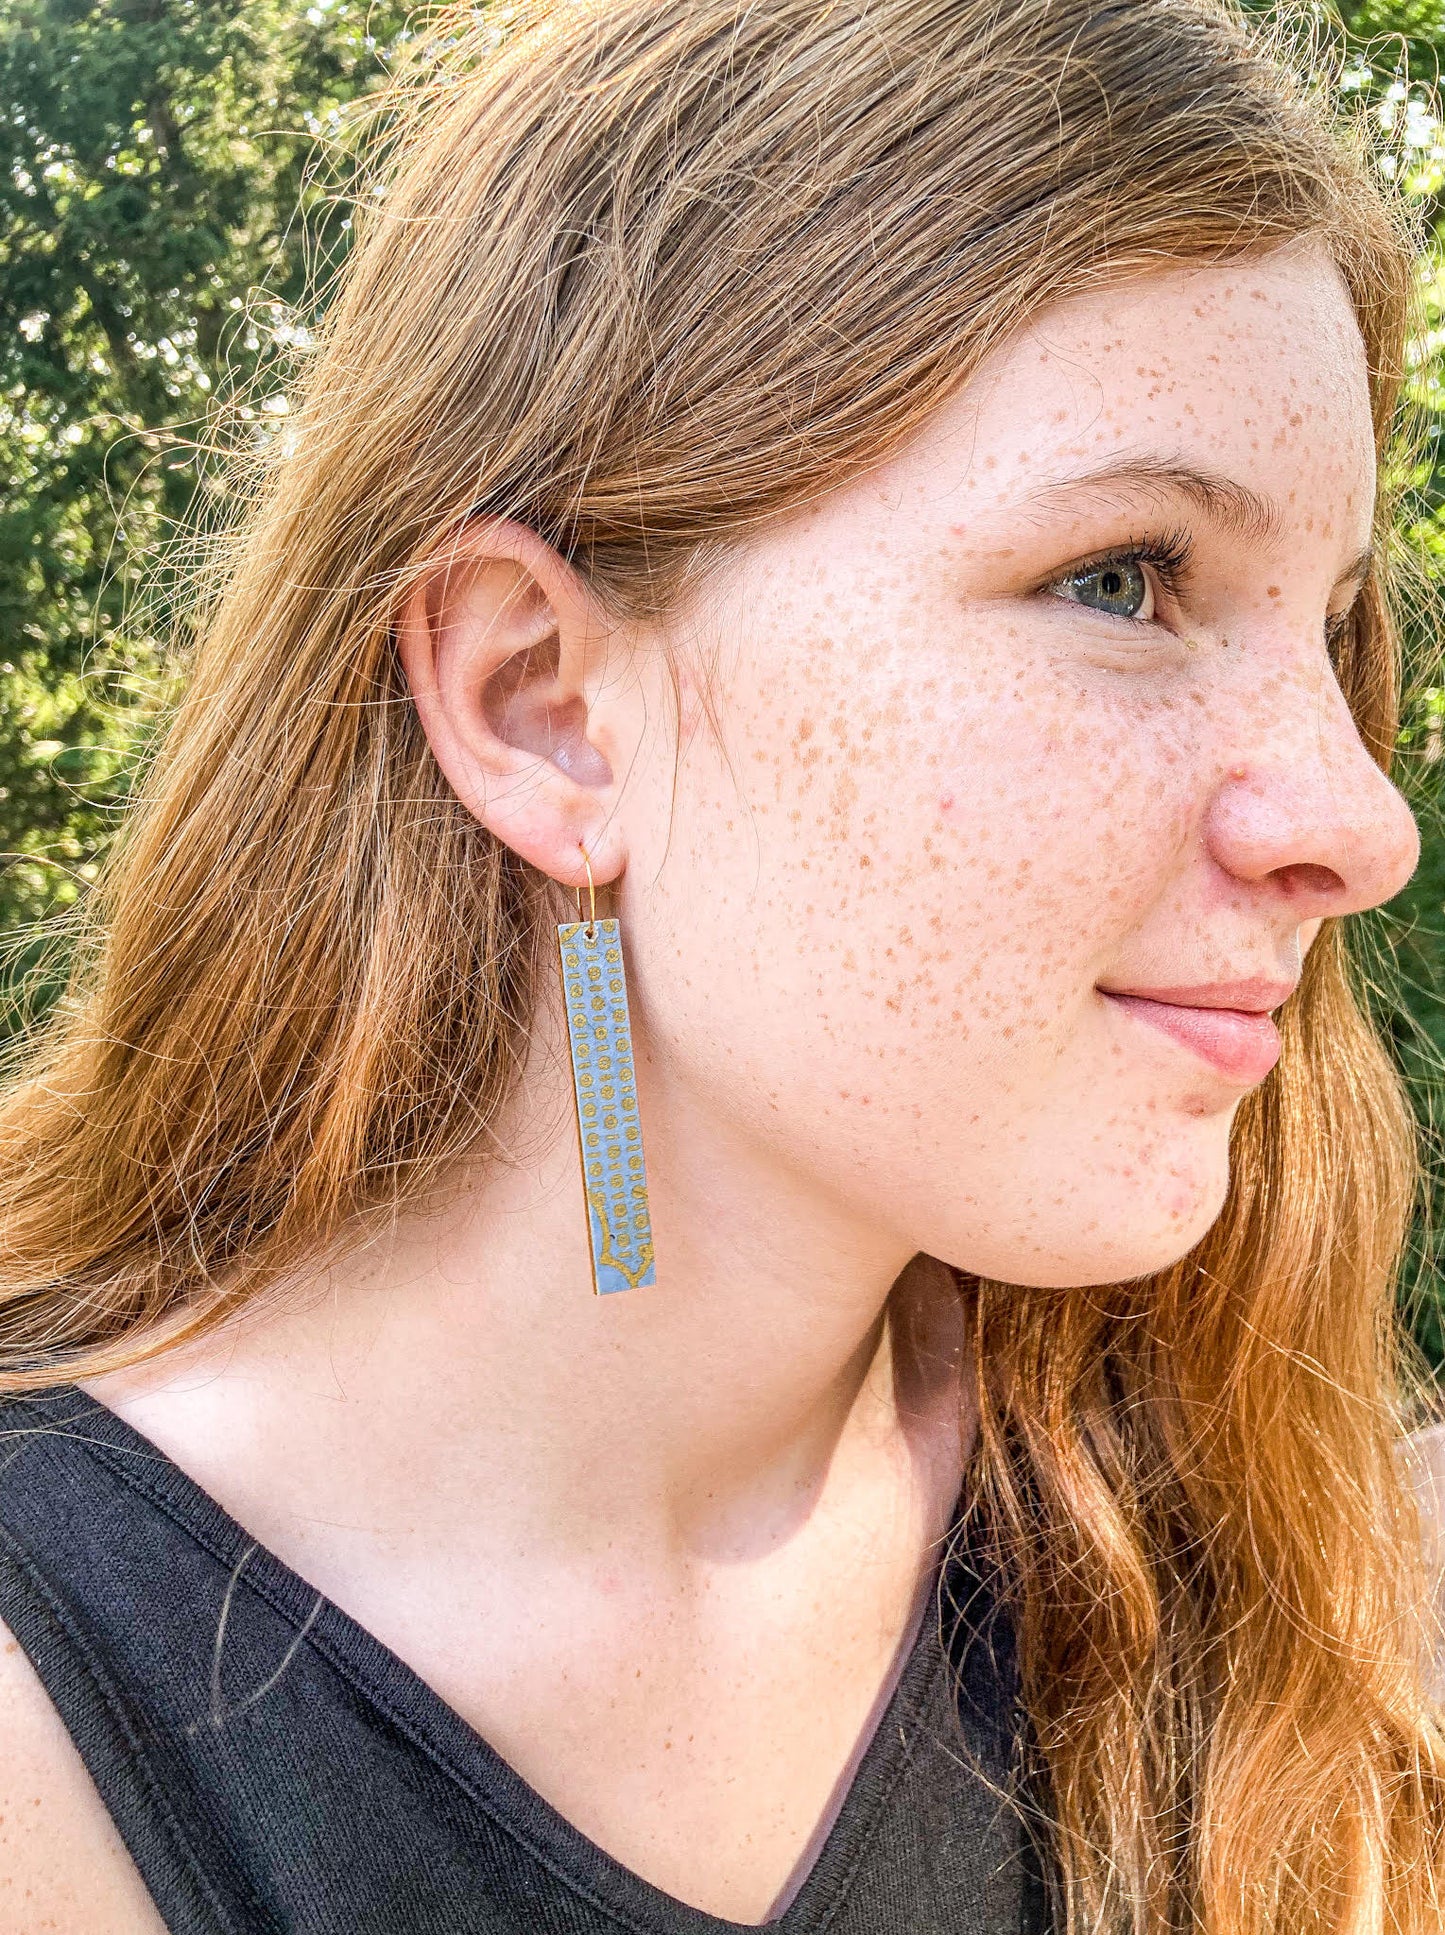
(609, 1128)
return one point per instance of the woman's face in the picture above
(1038, 717)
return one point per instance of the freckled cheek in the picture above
(1080, 813)
(896, 773)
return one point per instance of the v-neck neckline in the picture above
(411, 1705)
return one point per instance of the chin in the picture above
(1158, 1236)
(1131, 1235)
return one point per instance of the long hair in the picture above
(644, 276)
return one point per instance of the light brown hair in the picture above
(645, 275)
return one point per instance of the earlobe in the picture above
(503, 645)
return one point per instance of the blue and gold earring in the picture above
(604, 1082)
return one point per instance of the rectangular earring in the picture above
(604, 1082)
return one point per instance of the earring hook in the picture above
(591, 897)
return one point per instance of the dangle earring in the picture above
(604, 1081)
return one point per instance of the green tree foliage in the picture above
(157, 222)
(160, 223)
(1392, 66)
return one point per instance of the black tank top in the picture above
(271, 1766)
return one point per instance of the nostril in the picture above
(1303, 881)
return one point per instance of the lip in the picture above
(1227, 1025)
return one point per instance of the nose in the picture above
(1301, 806)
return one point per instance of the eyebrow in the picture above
(1233, 506)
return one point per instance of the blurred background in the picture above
(176, 192)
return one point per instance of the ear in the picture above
(504, 649)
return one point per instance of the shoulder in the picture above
(1422, 1464)
(62, 1863)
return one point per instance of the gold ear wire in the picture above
(591, 896)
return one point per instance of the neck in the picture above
(456, 1367)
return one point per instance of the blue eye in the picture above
(1118, 587)
(1126, 582)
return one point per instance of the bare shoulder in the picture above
(62, 1863)
(1422, 1462)
(1422, 1459)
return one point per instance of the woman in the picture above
(881, 502)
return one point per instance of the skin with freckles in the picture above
(954, 802)
(961, 827)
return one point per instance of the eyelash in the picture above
(1169, 552)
